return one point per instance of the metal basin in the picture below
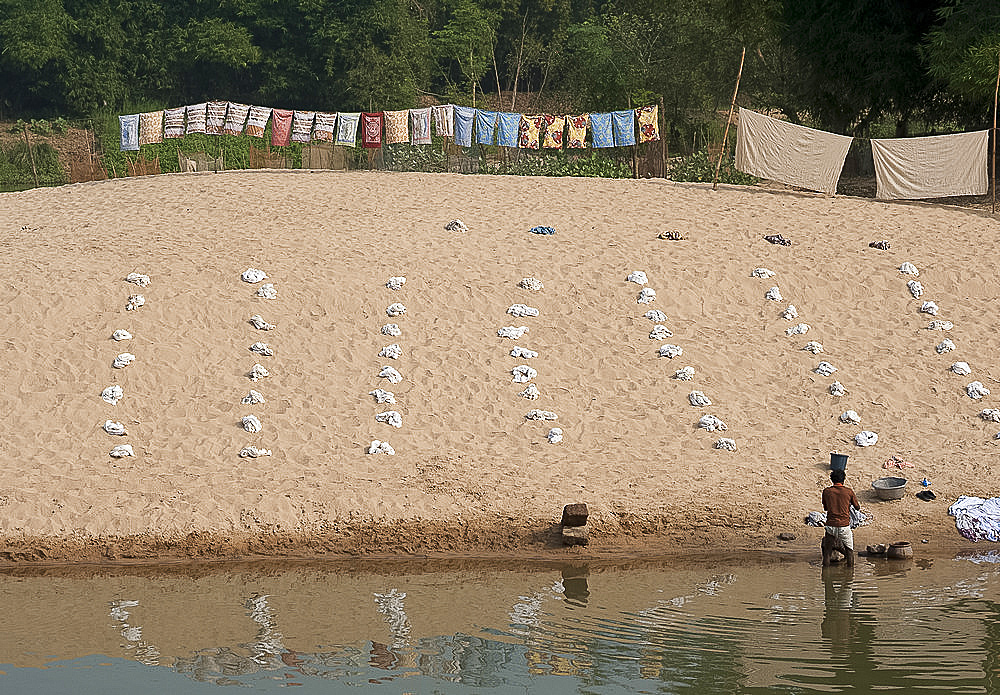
(889, 488)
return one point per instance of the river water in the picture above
(740, 624)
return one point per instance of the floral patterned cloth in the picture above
(649, 124)
(325, 124)
(173, 122)
(257, 120)
(486, 126)
(397, 126)
(236, 117)
(577, 131)
(624, 127)
(510, 125)
(302, 125)
(600, 130)
(195, 118)
(444, 120)
(215, 117)
(371, 130)
(420, 124)
(554, 127)
(347, 128)
(531, 127)
(281, 127)
(150, 127)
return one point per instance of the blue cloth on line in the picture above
(542, 230)
(600, 130)
(464, 116)
(510, 123)
(486, 126)
(130, 132)
(624, 127)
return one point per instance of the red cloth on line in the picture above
(371, 130)
(281, 127)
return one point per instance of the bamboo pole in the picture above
(663, 141)
(635, 157)
(31, 155)
(996, 93)
(732, 107)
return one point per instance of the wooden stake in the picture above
(996, 92)
(635, 158)
(663, 141)
(725, 136)
(31, 154)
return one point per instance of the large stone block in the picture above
(575, 514)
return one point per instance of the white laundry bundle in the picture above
(121, 451)
(137, 279)
(261, 349)
(813, 346)
(134, 302)
(395, 309)
(456, 226)
(383, 396)
(391, 329)
(976, 390)
(252, 398)
(774, 294)
(390, 417)
(377, 447)
(725, 443)
(513, 332)
(530, 284)
(790, 313)
(523, 353)
(395, 283)
(115, 428)
(655, 315)
(523, 374)
(837, 389)
(555, 435)
(267, 291)
(112, 394)
(251, 423)
(530, 392)
(711, 423)
(762, 273)
(670, 351)
(929, 308)
(961, 368)
(939, 325)
(698, 398)
(391, 374)
(252, 275)
(825, 369)
(850, 416)
(660, 332)
(797, 329)
(121, 334)
(646, 295)
(260, 324)
(908, 269)
(391, 351)
(944, 346)
(990, 414)
(916, 289)
(638, 277)
(258, 372)
(540, 415)
(520, 310)
(253, 452)
(865, 438)
(685, 374)
(123, 360)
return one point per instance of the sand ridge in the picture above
(470, 471)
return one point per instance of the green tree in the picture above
(963, 50)
(467, 41)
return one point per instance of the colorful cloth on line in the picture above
(554, 127)
(509, 127)
(624, 122)
(324, 128)
(150, 127)
(397, 126)
(215, 117)
(649, 123)
(371, 130)
(281, 127)
(444, 120)
(130, 132)
(576, 127)
(420, 122)
(347, 128)
(236, 118)
(257, 120)
(302, 125)
(601, 132)
(530, 130)
(486, 126)
(464, 116)
(196, 118)
(173, 122)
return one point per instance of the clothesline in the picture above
(464, 124)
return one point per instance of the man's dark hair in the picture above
(838, 476)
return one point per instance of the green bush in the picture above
(699, 167)
(562, 164)
(16, 165)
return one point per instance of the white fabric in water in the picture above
(395, 283)
(112, 394)
(523, 353)
(931, 167)
(523, 374)
(513, 332)
(521, 310)
(789, 153)
(670, 351)
(391, 374)
(137, 279)
(638, 277)
(391, 351)
(251, 423)
(390, 417)
(383, 396)
(260, 324)
(253, 275)
(555, 435)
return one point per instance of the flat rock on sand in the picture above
(470, 473)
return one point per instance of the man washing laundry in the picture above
(837, 501)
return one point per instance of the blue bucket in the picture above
(838, 462)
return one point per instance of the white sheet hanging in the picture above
(931, 167)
